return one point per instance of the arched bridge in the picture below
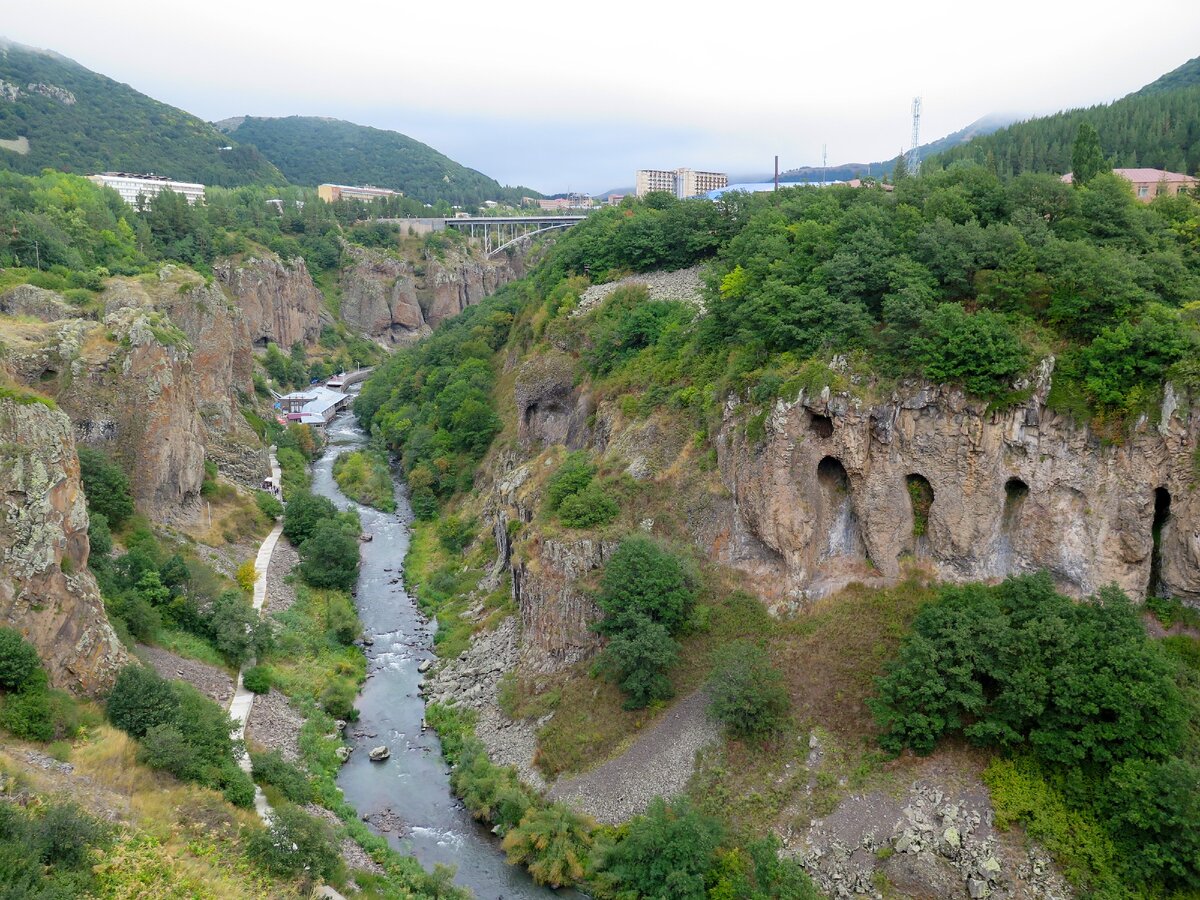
(501, 232)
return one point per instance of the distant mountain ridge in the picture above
(312, 150)
(55, 113)
(845, 171)
(1157, 126)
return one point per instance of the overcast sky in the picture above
(565, 95)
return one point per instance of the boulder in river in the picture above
(425, 666)
(379, 754)
(343, 753)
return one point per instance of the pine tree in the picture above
(1087, 159)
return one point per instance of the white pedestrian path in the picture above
(243, 699)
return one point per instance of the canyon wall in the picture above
(837, 491)
(397, 302)
(278, 300)
(47, 592)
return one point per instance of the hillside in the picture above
(1157, 126)
(311, 150)
(56, 113)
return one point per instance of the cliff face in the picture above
(156, 383)
(837, 492)
(395, 301)
(278, 300)
(46, 590)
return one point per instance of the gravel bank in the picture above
(208, 680)
(658, 764)
(353, 855)
(280, 594)
(275, 724)
(682, 284)
(473, 680)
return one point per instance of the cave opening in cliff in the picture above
(841, 519)
(1015, 493)
(1162, 514)
(821, 426)
(920, 498)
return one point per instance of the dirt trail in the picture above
(658, 764)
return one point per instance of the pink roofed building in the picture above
(1150, 183)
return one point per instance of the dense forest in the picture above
(312, 151)
(1157, 127)
(94, 124)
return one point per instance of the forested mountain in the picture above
(1158, 126)
(312, 150)
(55, 113)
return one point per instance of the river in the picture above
(414, 783)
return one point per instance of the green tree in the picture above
(665, 854)
(329, 557)
(304, 511)
(106, 486)
(748, 694)
(642, 581)
(140, 700)
(294, 843)
(18, 660)
(1087, 159)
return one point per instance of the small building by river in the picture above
(314, 406)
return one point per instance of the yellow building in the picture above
(682, 183)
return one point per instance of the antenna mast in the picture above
(824, 160)
(914, 161)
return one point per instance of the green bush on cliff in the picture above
(588, 508)
(106, 486)
(748, 694)
(18, 660)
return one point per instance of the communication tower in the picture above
(914, 161)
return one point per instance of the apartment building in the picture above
(333, 192)
(131, 186)
(682, 183)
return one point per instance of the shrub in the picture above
(337, 699)
(1020, 663)
(165, 747)
(329, 557)
(268, 505)
(257, 680)
(271, 768)
(142, 619)
(573, 475)
(18, 659)
(247, 574)
(106, 486)
(748, 696)
(637, 658)
(27, 714)
(981, 350)
(553, 843)
(238, 789)
(99, 536)
(294, 844)
(588, 508)
(303, 513)
(455, 533)
(665, 853)
(140, 700)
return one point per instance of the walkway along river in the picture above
(413, 785)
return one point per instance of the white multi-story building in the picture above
(130, 187)
(682, 183)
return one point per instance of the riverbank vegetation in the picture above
(364, 476)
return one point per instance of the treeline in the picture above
(73, 233)
(956, 276)
(1159, 129)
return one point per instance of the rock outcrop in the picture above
(156, 383)
(397, 302)
(279, 301)
(46, 590)
(550, 409)
(828, 495)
